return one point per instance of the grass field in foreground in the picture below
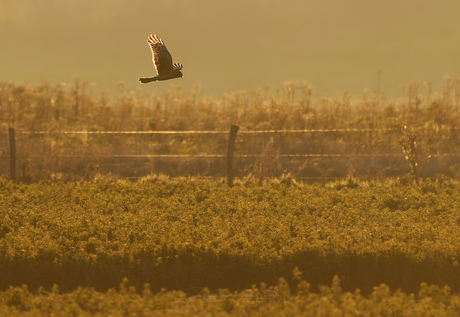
(190, 232)
(273, 301)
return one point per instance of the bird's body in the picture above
(162, 60)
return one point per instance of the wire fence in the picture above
(172, 133)
(357, 154)
(247, 132)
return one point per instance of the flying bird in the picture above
(162, 60)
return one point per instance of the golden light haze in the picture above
(335, 45)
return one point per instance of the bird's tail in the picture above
(145, 80)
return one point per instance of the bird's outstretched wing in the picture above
(177, 66)
(160, 55)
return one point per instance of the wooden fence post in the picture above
(231, 145)
(12, 154)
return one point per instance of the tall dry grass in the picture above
(433, 116)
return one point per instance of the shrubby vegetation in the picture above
(263, 301)
(431, 119)
(71, 225)
(186, 232)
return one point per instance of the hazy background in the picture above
(335, 45)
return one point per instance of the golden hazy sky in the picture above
(335, 45)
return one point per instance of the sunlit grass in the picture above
(430, 116)
(180, 232)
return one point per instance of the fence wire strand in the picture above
(223, 155)
(201, 132)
